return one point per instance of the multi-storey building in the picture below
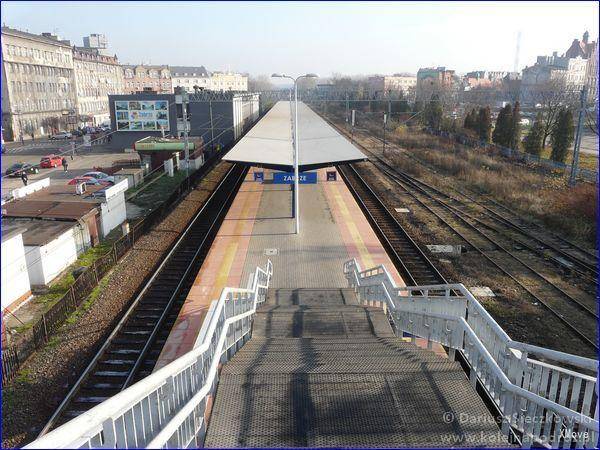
(97, 41)
(561, 69)
(96, 77)
(228, 81)
(149, 78)
(435, 80)
(589, 51)
(189, 77)
(381, 85)
(582, 48)
(483, 79)
(38, 92)
(591, 75)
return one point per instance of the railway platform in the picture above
(259, 226)
(343, 335)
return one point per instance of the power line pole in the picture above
(575, 163)
(212, 130)
(186, 144)
(347, 109)
(385, 116)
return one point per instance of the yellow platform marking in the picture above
(232, 247)
(356, 236)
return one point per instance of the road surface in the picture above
(84, 161)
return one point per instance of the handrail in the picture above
(544, 403)
(136, 416)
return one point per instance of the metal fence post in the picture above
(45, 328)
(575, 163)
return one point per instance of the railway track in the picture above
(574, 307)
(514, 257)
(409, 259)
(132, 349)
(564, 253)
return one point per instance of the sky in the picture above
(352, 38)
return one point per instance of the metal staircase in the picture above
(331, 368)
(323, 371)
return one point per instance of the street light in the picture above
(296, 154)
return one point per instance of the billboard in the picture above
(138, 115)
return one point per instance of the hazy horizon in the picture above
(341, 37)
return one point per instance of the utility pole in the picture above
(186, 144)
(347, 109)
(575, 163)
(212, 130)
(385, 116)
(353, 122)
(296, 159)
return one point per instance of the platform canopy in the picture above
(269, 142)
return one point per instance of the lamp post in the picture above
(296, 154)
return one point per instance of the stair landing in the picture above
(322, 371)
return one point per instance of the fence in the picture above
(511, 153)
(168, 409)
(13, 356)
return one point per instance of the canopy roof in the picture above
(269, 142)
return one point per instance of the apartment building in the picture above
(570, 71)
(228, 81)
(38, 84)
(435, 80)
(385, 84)
(142, 77)
(189, 77)
(96, 77)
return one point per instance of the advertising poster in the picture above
(147, 115)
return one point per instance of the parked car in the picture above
(18, 168)
(49, 161)
(100, 176)
(61, 135)
(77, 133)
(89, 181)
(105, 128)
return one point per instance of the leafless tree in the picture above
(260, 83)
(591, 122)
(549, 98)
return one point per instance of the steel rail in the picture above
(232, 176)
(406, 268)
(494, 215)
(589, 341)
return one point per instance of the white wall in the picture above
(113, 211)
(45, 262)
(15, 281)
(30, 188)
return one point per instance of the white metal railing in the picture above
(546, 404)
(167, 408)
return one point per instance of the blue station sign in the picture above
(288, 177)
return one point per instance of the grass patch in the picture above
(586, 161)
(88, 302)
(53, 342)
(9, 396)
(156, 190)
(534, 192)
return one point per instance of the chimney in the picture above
(586, 36)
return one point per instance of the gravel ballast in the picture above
(29, 400)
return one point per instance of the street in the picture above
(84, 161)
(589, 144)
